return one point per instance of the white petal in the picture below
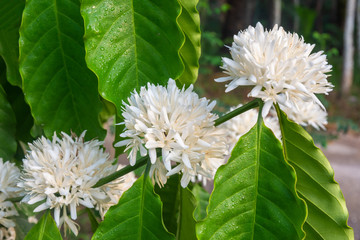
(73, 210)
(186, 160)
(41, 207)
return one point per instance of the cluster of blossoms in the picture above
(60, 174)
(9, 177)
(282, 70)
(180, 124)
(241, 124)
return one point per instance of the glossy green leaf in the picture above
(189, 22)
(254, 193)
(136, 216)
(327, 212)
(7, 128)
(130, 43)
(45, 229)
(202, 199)
(10, 19)
(61, 90)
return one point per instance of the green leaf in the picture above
(10, 19)
(60, 89)
(186, 221)
(327, 212)
(202, 198)
(130, 43)
(189, 22)
(254, 193)
(7, 128)
(45, 229)
(136, 216)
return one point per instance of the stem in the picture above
(250, 105)
(140, 162)
(15, 199)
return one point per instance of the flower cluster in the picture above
(241, 124)
(180, 124)
(60, 174)
(9, 177)
(279, 65)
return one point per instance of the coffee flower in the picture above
(307, 114)
(9, 177)
(241, 124)
(279, 65)
(60, 173)
(180, 124)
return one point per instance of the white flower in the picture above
(60, 174)
(9, 177)
(115, 189)
(180, 124)
(279, 65)
(241, 124)
(7, 233)
(307, 113)
(7, 209)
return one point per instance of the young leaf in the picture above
(10, 19)
(130, 43)
(60, 89)
(7, 128)
(254, 193)
(136, 216)
(327, 212)
(45, 229)
(202, 198)
(189, 22)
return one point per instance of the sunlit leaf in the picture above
(45, 229)
(130, 43)
(254, 193)
(189, 22)
(327, 212)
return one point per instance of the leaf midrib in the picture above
(257, 166)
(135, 45)
(68, 76)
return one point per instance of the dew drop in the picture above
(102, 48)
